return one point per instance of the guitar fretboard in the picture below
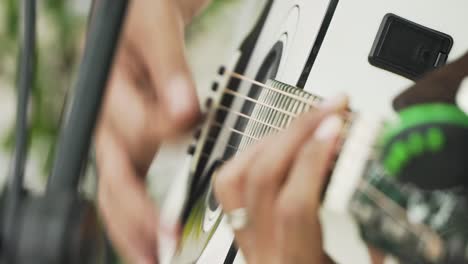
(358, 184)
(273, 109)
(266, 117)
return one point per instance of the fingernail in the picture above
(334, 102)
(462, 96)
(180, 97)
(329, 128)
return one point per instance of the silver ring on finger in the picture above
(238, 219)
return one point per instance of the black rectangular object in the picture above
(409, 49)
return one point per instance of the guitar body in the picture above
(321, 46)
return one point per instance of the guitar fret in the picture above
(252, 100)
(270, 116)
(258, 130)
(287, 105)
(292, 105)
(275, 107)
(253, 129)
(279, 118)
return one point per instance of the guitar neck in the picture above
(359, 184)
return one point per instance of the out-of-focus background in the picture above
(60, 27)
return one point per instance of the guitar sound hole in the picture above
(212, 202)
(268, 70)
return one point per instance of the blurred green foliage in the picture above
(59, 30)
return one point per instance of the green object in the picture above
(415, 143)
(435, 139)
(423, 123)
(397, 157)
(428, 114)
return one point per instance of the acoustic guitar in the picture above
(387, 175)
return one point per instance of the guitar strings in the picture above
(387, 204)
(250, 99)
(384, 202)
(232, 129)
(249, 118)
(228, 110)
(263, 106)
(311, 102)
(276, 110)
(298, 98)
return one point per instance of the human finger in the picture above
(300, 235)
(271, 168)
(229, 186)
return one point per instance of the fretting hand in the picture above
(278, 183)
